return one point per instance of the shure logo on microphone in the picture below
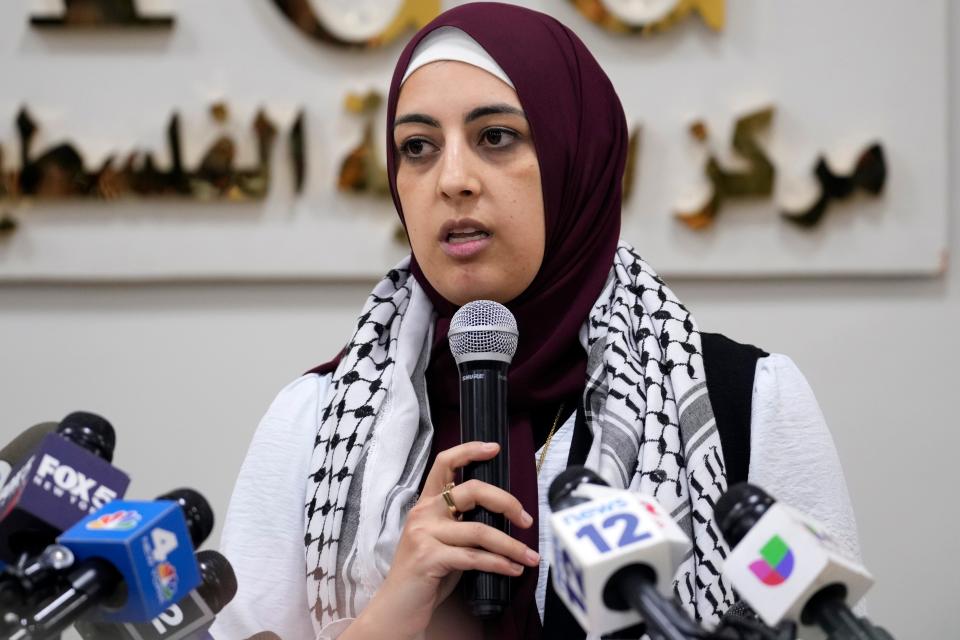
(474, 376)
(62, 480)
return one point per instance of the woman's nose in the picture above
(457, 177)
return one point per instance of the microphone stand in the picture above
(636, 585)
(828, 610)
(836, 619)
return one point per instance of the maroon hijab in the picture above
(580, 135)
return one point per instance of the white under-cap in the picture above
(451, 43)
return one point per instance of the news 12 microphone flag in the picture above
(592, 541)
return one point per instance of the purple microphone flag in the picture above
(56, 486)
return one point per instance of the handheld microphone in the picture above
(67, 477)
(135, 558)
(483, 340)
(615, 555)
(786, 566)
(20, 447)
(188, 619)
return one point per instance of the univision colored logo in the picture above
(165, 578)
(775, 564)
(122, 520)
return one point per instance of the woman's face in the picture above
(469, 183)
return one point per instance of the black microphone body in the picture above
(483, 417)
(483, 339)
(26, 584)
(636, 586)
(828, 610)
(740, 622)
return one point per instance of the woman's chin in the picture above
(460, 283)
(461, 297)
(460, 291)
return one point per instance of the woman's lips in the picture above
(465, 245)
(464, 238)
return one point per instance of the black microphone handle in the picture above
(740, 622)
(840, 622)
(483, 416)
(879, 633)
(635, 585)
(828, 610)
(90, 583)
(33, 580)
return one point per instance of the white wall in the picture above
(184, 371)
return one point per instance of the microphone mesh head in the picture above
(739, 509)
(483, 330)
(218, 584)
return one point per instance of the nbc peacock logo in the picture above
(165, 580)
(122, 520)
(775, 564)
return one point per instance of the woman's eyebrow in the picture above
(418, 118)
(492, 109)
(478, 112)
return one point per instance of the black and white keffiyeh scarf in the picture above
(645, 401)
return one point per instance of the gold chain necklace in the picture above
(546, 445)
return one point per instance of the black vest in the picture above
(730, 368)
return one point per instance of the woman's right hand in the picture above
(435, 548)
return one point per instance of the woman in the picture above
(507, 146)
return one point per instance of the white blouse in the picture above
(792, 456)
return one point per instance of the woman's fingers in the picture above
(468, 546)
(451, 459)
(476, 534)
(468, 559)
(474, 493)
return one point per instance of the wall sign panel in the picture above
(768, 138)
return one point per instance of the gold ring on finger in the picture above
(451, 505)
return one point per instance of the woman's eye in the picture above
(414, 148)
(498, 138)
